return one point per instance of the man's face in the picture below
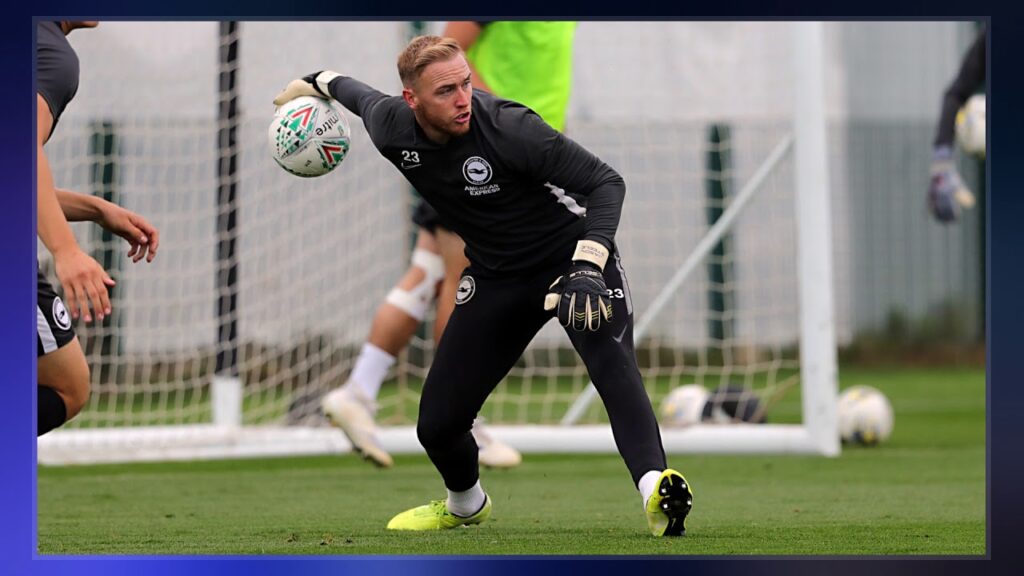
(441, 98)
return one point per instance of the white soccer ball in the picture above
(865, 416)
(684, 406)
(970, 125)
(309, 136)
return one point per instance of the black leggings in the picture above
(495, 318)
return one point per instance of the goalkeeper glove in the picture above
(316, 84)
(947, 193)
(580, 296)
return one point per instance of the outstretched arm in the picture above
(374, 107)
(142, 236)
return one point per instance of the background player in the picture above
(63, 374)
(538, 214)
(947, 193)
(527, 62)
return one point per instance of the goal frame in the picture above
(817, 433)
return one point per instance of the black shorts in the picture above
(495, 318)
(53, 321)
(426, 217)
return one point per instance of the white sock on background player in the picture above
(370, 370)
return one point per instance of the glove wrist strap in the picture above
(942, 152)
(323, 82)
(591, 251)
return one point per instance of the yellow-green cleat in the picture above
(668, 506)
(435, 516)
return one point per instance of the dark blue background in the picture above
(1005, 340)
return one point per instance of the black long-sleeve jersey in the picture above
(970, 77)
(517, 191)
(56, 68)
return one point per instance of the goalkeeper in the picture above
(63, 374)
(530, 63)
(947, 193)
(538, 214)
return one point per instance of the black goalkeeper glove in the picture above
(316, 84)
(580, 296)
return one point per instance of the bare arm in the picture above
(83, 279)
(466, 33)
(142, 236)
(78, 207)
(52, 225)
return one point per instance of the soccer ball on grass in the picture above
(727, 404)
(865, 416)
(732, 403)
(684, 406)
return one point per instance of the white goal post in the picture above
(160, 392)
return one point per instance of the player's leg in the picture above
(407, 303)
(63, 390)
(493, 452)
(62, 372)
(611, 362)
(491, 325)
(405, 306)
(352, 407)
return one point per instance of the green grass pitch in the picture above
(923, 492)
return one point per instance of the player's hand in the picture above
(316, 84)
(84, 281)
(142, 236)
(947, 193)
(580, 296)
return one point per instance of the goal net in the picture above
(726, 238)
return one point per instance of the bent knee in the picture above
(75, 391)
(67, 372)
(437, 433)
(429, 434)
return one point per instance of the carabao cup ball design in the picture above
(309, 136)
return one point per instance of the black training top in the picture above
(517, 191)
(969, 79)
(56, 68)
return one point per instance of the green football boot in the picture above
(435, 516)
(668, 506)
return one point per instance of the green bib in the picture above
(528, 62)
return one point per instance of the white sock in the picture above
(648, 482)
(467, 503)
(371, 369)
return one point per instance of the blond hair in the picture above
(422, 51)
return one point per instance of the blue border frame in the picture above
(1005, 390)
